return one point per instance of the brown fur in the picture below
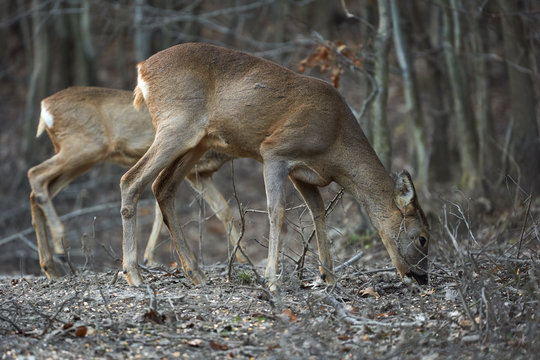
(206, 97)
(92, 125)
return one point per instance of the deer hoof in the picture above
(133, 277)
(197, 276)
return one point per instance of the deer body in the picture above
(204, 97)
(88, 125)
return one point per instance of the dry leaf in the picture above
(154, 316)
(81, 331)
(369, 292)
(214, 345)
(194, 342)
(292, 316)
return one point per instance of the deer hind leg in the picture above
(204, 184)
(312, 197)
(47, 180)
(151, 247)
(275, 176)
(40, 178)
(164, 188)
(161, 154)
(46, 261)
(56, 226)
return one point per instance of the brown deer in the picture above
(205, 97)
(88, 125)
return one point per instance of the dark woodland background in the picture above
(447, 89)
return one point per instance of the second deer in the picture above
(88, 125)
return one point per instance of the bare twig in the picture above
(350, 261)
(328, 210)
(50, 319)
(12, 323)
(524, 225)
(241, 236)
(152, 295)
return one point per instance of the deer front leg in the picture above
(312, 197)
(164, 189)
(275, 176)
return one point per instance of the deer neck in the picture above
(364, 177)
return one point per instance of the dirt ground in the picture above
(481, 303)
(484, 307)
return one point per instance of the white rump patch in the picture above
(143, 85)
(46, 116)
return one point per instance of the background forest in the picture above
(447, 89)
(444, 88)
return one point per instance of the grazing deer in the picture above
(88, 125)
(205, 97)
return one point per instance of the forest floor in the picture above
(477, 306)
(481, 302)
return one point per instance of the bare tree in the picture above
(486, 132)
(85, 54)
(40, 75)
(525, 147)
(468, 138)
(379, 124)
(415, 116)
(141, 35)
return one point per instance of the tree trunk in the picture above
(466, 131)
(428, 39)
(380, 130)
(37, 88)
(85, 57)
(415, 117)
(486, 131)
(141, 36)
(524, 144)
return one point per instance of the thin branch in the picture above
(524, 225)
(328, 210)
(242, 232)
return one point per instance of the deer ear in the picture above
(404, 192)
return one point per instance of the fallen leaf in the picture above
(369, 292)
(154, 316)
(216, 346)
(81, 331)
(386, 314)
(292, 316)
(194, 342)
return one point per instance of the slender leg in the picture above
(55, 224)
(164, 188)
(204, 184)
(163, 152)
(47, 180)
(275, 176)
(312, 197)
(150, 251)
(46, 260)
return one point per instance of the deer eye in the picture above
(422, 240)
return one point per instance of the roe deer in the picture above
(88, 125)
(205, 97)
